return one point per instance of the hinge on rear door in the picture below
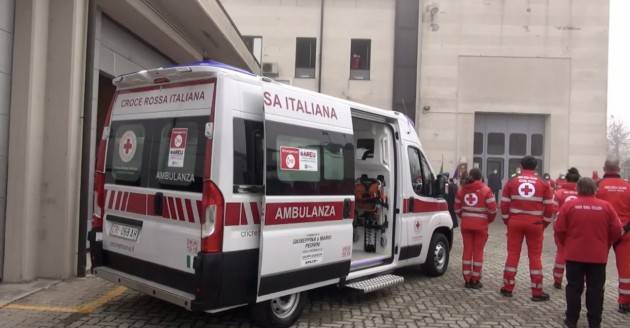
(397, 135)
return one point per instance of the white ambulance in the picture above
(216, 188)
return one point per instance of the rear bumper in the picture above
(220, 280)
(160, 291)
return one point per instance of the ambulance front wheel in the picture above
(279, 312)
(438, 256)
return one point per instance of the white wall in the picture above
(516, 56)
(6, 51)
(279, 22)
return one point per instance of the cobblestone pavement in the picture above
(419, 302)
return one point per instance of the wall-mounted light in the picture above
(426, 108)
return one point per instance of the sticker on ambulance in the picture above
(127, 146)
(298, 159)
(177, 149)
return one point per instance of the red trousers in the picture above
(622, 253)
(558, 268)
(472, 258)
(532, 231)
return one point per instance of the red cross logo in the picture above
(417, 225)
(471, 199)
(526, 189)
(127, 146)
(570, 198)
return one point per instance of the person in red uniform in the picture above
(527, 209)
(566, 193)
(476, 207)
(615, 190)
(586, 228)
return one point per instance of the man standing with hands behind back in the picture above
(616, 191)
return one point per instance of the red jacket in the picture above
(527, 197)
(475, 206)
(567, 193)
(587, 227)
(616, 191)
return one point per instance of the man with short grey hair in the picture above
(616, 191)
(585, 229)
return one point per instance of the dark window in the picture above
(421, 175)
(248, 153)
(158, 153)
(254, 45)
(305, 57)
(496, 143)
(537, 144)
(307, 161)
(478, 143)
(360, 59)
(518, 144)
(539, 167)
(495, 164)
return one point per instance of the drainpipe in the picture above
(86, 142)
(321, 45)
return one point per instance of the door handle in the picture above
(158, 203)
(346, 208)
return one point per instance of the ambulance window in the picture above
(125, 157)
(180, 146)
(248, 153)
(306, 161)
(420, 172)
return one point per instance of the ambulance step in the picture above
(376, 283)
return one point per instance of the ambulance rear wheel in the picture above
(279, 312)
(438, 256)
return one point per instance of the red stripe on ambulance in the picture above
(289, 213)
(420, 206)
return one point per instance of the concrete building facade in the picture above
(57, 58)
(495, 79)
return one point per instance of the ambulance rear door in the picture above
(306, 233)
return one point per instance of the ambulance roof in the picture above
(204, 69)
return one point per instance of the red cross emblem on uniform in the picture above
(526, 189)
(471, 199)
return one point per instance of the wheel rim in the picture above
(283, 307)
(439, 256)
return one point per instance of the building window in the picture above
(537, 144)
(360, 59)
(254, 45)
(478, 143)
(518, 144)
(496, 143)
(305, 57)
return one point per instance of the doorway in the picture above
(501, 140)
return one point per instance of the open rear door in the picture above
(306, 237)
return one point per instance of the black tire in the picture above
(438, 256)
(281, 312)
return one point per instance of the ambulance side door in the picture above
(306, 228)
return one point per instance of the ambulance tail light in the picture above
(212, 220)
(99, 201)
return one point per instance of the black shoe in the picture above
(624, 308)
(477, 285)
(557, 285)
(570, 324)
(506, 293)
(541, 298)
(468, 285)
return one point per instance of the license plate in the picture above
(124, 231)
